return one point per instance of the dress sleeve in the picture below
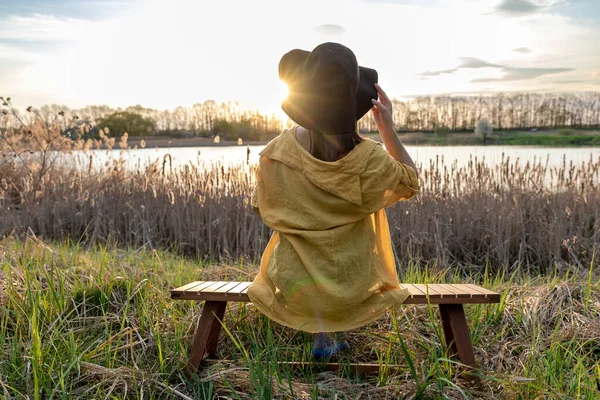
(386, 181)
(407, 184)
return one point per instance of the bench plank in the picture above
(214, 286)
(461, 294)
(483, 290)
(427, 289)
(232, 290)
(226, 288)
(412, 290)
(200, 287)
(189, 286)
(242, 288)
(442, 290)
(439, 293)
(468, 290)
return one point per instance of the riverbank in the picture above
(560, 138)
(151, 142)
(550, 138)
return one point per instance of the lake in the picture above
(231, 155)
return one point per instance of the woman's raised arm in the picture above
(382, 113)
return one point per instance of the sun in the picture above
(270, 102)
(282, 95)
(283, 91)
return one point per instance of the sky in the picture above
(168, 53)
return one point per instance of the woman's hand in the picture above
(382, 111)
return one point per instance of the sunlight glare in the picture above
(283, 94)
(283, 91)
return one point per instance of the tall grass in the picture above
(496, 216)
(499, 216)
(98, 323)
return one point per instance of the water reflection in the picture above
(234, 155)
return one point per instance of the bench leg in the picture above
(456, 333)
(207, 333)
(448, 335)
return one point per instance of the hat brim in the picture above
(291, 69)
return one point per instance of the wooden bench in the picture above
(449, 297)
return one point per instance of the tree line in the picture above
(517, 111)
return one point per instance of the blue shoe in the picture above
(328, 352)
(325, 347)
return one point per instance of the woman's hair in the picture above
(333, 147)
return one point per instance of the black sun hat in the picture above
(328, 90)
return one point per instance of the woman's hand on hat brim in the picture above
(382, 110)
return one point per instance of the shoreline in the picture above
(167, 142)
(589, 139)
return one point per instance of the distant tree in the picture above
(519, 111)
(125, 121)
(484, 128)
(234, 130)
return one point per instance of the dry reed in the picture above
(497, 216)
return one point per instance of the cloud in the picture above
(524, 50)
(14, 54)
(469, 62)
(519, 8)
(570, 81)
(520, 74)
(329, 29)
(89, 9)
(510, 73)
(466, 62)
(428, 74)
(39, 27)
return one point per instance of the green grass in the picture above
(98, 323)
(560, 138)
(546, 140)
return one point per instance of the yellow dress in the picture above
(329, 264)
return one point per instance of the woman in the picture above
(329, 264)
